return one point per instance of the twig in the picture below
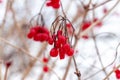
(110, 73)
(95, 23)
(98, 54)
(6, 72)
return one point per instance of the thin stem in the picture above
(6, 72)
(100, 4)
(98, 54)
(77, 71)
(42, 7)
(110, 73)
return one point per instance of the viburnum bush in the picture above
(59, 40)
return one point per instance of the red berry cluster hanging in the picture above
(39, 33)
(53, 3)
(60, 39)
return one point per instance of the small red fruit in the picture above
(71, 52)
(57, 44)
(85, 25)
(117, 73)
(59, 32)
(45, 60)
(31, 34)
(62, 39)
(54, 52)
(66, 47)
(45, 68)
(50, 40)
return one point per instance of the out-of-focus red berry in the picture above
(85, 25)
(45, 68)
(45, 60)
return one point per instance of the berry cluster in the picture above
(59, 37)
(54, 3)
(61, 46)
(39, 33)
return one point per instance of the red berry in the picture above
(37, 28)
(54, 3)
(50, 40)
(117, 73)
(43, 37)
(49, 3)
(61, 53)
(68, 25)
(54, 52)
(31, 33)
(105, 10)
(45, 30)
(62, 39)
(56, 6)
(57, 44)
(71, 52)
(85, 37)
(85, 25)
(66, 47)
(59, 32)
(45, 68)
(37, 37)
(45, 60)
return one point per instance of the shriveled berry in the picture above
(71, 52)
(8, 64)
(54, 52)
(45, 68)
